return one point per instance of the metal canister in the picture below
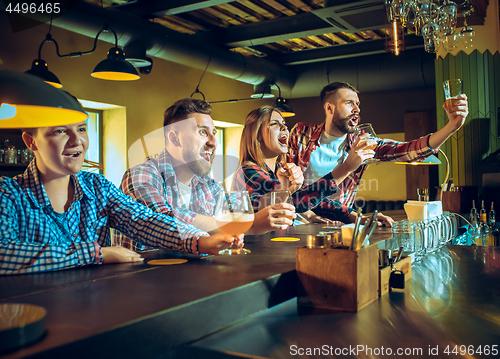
(311, 241)
(318, 241)
(335, 236)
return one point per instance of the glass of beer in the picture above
(282, 197)
(371, 139)
(452, 89)
(234, 216)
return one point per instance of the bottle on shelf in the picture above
(10, 154)
(482, 213)
(473, 230)
(473, 214)
(480, 234)
(489, 237)
(492, 217)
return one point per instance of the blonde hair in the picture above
(250, 147)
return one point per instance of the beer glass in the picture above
(452, 89)
(282, 197)
(371, 139)
(234, 216)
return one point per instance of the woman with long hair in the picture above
(264, 142)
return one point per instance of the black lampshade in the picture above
(40, 68)
(27, 101)
(115, 67)
(286, 111)
(262, 90)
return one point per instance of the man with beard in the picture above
(319, 148)
(176, 182)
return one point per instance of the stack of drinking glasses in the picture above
(424, 236)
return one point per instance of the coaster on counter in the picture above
(285, 239)
(20, 324)
(167, 261)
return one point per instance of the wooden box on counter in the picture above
(338, 279)
(403, 265)
(460, 201)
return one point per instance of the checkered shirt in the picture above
(34, 238)
(154, 184)
(258, 181)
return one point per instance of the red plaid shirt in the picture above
(258, 181)
(304, 139)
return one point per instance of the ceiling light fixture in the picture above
(263, 90)
(135, 54)
(282, 104)
(27, 101)
(394, 38)
(114, 67)
(40, 68)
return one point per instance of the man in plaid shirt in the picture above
(55, 216)
(319, 148)
(176, 181)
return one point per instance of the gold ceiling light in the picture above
(27, 101)
(114, 67)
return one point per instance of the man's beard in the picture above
(343, 123)
(196, 164)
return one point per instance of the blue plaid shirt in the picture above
(35, 238)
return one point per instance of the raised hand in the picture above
(291, 177)
(359, 152)
(457, 110)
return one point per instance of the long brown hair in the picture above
(250, 147)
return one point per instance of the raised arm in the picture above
(456, 116)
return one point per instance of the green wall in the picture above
(479, 137)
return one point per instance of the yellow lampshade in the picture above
(27, 101)
(40, 68)
(431, 160)
(282, 104)
(115, 67)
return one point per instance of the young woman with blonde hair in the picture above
(264, 142)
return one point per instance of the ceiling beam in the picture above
(291, 27)
(168, 7)
(274, 30)
(362, 48)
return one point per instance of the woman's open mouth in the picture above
(283, 140)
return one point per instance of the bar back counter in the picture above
(245, 306)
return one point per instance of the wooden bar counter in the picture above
(245, 306)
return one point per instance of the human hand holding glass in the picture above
(283, 197)
(234, 216)
(370, 138)
(367, 139)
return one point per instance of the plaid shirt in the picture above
(304, 139)
(35, 238)
(154, 184)
(258, 182)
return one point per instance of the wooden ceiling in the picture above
(288, 32)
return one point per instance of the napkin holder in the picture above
(417, 211)
(338, 279)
